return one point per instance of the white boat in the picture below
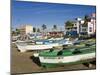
(28, 47)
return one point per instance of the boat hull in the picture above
(75, 59)
(52, 65)
(33, 47)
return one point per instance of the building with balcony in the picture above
(79, 27)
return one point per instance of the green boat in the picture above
(53, 58)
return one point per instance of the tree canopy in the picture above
(44, 27)
(54, 26)
(34, 29)
(68, 24)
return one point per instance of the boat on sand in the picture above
(53, 58)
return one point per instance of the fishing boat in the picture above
(24, 46)
(55, 58)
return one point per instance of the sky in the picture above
(37, 13)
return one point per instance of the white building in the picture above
(90, 28)
(25, 29)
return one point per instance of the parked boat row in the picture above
(41, 44)
(72, 52)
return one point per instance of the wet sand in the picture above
(23, 63)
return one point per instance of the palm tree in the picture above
(44, 27)
(38, 30)
(34, 29)
(55, 27)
